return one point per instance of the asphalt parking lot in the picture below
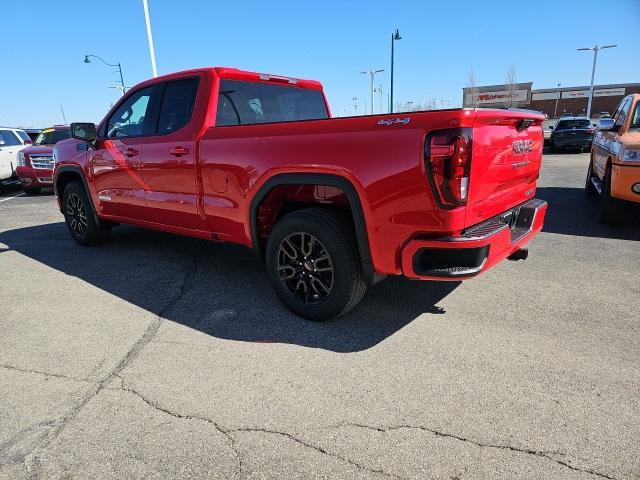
(157, 356)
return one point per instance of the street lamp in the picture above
(555, 111)
(394, 36)
(373, 89)
(86, 60)
(593, 72)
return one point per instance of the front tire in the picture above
(313, 264)
(79, 217)
(589, 189)
(32, 190)
(612, 210)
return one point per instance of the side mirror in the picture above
(606, 124)
(550, 127)
(84, 131)
(2, 142)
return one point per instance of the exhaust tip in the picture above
(520, 254)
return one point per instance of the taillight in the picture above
(448, 163)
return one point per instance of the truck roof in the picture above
(230, 73)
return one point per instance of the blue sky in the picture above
(331, 41)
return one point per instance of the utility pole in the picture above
(150, 38)
(373, 75)
(595, 49)
(394, 36)
(555, 110)
(355, 105)
(381, 98)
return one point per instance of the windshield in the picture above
(52, 136)
(565, 124)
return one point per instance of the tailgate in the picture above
(507, 152)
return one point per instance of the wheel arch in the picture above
(66, 174)
(327, 179)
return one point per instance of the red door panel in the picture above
(115, 166)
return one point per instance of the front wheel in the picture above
(612, 210)
(80, 219)
(589, 189)
(313, 264)
(32, 190)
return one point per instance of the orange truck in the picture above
(614, 169)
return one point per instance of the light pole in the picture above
(86, 60)
(355, 105)
(373, 88)
(152, 51)
(595, 49)
(555, 110)
(394, 36)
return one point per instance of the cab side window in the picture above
(129, 119)
(621, 114)
(177, 105)
(635, 120)
(9, 139)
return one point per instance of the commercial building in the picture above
(569, 99)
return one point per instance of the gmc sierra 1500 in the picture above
(331, 204)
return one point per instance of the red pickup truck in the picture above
(331, 204)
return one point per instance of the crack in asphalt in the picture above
(131, 354)
(231, 441)
(537, 453)
(228, 433)
(47, 374)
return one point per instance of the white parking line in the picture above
(9, 198)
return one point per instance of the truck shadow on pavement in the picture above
(219, 289)
(571, 212)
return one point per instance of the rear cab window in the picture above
(568, 124)
(250, 103)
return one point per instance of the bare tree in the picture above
(511, 99)
(472, 90)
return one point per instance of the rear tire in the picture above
(79, 217)
(589, 189)
(32, 190)
(612, 210)
(313, 264)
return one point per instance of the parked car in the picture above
(11, 141)
(332, 205)
(614, 169)
(571, 132)
(35, 163)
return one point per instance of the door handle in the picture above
(179, 151)
(131, 152)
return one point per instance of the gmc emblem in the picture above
(521, 146)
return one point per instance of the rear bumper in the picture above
(477, 249)
(35, 177)
(572, 142)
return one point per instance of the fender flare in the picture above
(78, 170)
(342, 183)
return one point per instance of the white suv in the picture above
(12, 141)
